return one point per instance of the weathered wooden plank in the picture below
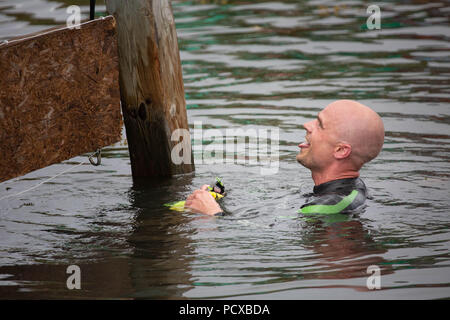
(151, 85)
(59, 96)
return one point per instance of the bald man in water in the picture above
(344, 136)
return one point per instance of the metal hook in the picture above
(99, 157)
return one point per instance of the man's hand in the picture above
(202, 201)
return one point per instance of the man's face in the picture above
(317, 151)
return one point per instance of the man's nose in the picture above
(308, 126)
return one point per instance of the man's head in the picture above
(344, 136)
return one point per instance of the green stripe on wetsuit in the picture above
(330, 209)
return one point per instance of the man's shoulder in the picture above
(336, 197)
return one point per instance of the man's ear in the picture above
(342, 150)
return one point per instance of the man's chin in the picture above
(300, 159)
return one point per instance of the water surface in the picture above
(260, 66)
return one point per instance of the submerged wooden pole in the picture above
(151, 85)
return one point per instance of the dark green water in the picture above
(255, 65)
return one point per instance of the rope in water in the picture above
(98, 153)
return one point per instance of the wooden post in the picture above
(151, 85)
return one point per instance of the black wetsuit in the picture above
(337, 196)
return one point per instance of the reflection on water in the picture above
(255, 66)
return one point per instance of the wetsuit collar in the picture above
(339, 185)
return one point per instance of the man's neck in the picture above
(329, 175)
